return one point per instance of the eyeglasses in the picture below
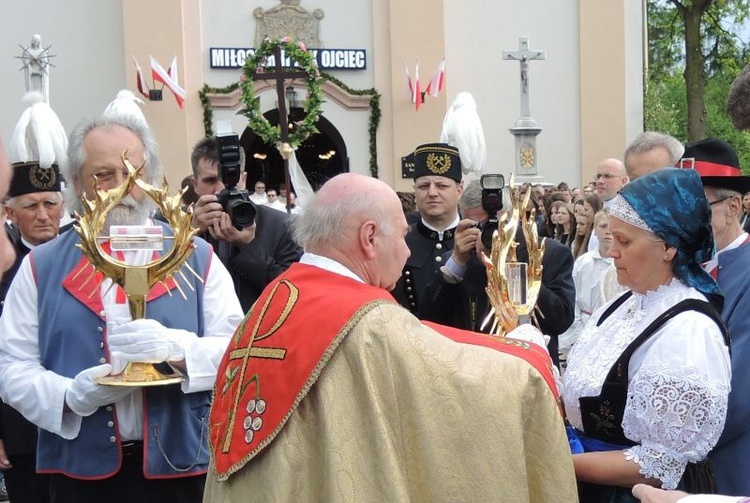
(711, 203)
(606, 176)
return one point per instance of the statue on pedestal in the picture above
(36, 66)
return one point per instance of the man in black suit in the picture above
(437, 188)
(35, 207)
(456, 295)
(255, 254)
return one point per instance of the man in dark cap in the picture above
(717, 163)
(437, 188)
(35, 208)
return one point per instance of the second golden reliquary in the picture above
(136, 281)
(513, 286)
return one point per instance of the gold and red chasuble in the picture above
(277, 354)
(279, 350)
(532, 353)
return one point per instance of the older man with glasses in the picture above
(718, 164)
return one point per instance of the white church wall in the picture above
(87, 38)
(477, 32)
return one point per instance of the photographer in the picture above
(456, 295)
(255, 247)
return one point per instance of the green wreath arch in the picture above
(298, 53)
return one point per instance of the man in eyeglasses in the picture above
(719, 166)
(610, 178)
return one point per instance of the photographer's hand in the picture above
(223, 230)
(465, 241)
(205, 211)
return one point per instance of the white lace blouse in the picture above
(678, 380)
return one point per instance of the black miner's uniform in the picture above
(427, 255)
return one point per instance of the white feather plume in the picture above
(39, 135)
(126, 103)
(462, 128)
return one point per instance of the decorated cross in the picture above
(255, 69)
(280, 76)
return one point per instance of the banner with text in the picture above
(328, 59)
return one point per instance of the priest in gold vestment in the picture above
(332, 392)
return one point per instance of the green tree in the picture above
(695, 51)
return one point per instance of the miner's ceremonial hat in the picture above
(38, 144)
(437, 159)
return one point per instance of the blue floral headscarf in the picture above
(671, 203)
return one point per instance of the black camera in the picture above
(234, 201)
(492, 203)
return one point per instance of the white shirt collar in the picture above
(734, 244)
(328, 264)
(27, 244)
(453, 225)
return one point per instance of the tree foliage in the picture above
(687, 85)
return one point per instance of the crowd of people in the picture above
(336, 352)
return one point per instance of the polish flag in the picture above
(417, 96)
(409, 86)
(141, 81)
(159, 74)
(438, 80)
(172, 72)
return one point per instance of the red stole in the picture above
(279, 350)
(537, 356)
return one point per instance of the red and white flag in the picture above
(438, 80)
(417, 97)
(409, 86)
(172, 72)
(140, 80)
(161, 75)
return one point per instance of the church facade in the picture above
(586, 95)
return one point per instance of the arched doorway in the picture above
(322, 155)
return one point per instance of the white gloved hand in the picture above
(85, 396)
(148, 341)
(529, 333)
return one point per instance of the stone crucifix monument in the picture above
(526, 128)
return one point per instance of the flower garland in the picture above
(374, 122)
(298, 53)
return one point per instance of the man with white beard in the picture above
(63, 330)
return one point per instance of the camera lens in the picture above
(241, 212)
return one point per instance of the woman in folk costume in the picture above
(647, 382)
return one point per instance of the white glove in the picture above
(148, 341)
(85, 396)
(529, 333)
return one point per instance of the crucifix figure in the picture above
(280, 75)
(524, 55)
